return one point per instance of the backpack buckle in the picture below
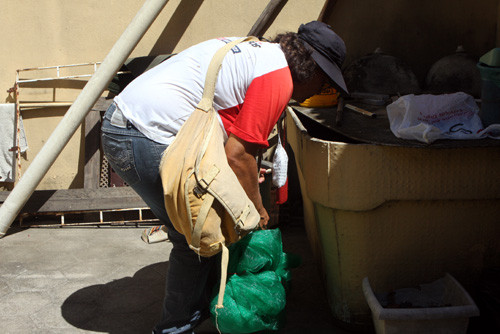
(199, 192)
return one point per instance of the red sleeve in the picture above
(265, 99)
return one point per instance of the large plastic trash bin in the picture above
(398, 215)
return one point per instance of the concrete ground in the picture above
(107, 280)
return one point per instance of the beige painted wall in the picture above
(59, 32)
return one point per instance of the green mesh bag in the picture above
(258, 278)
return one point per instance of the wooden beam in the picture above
(498, 24)
(92, 169)
(267, 17)
(68, 200)
(327, 10)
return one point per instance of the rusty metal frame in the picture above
(58, 76)
(16, 90)
(102, 221)
(58, 71)
(61, 216)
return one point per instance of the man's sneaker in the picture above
(154, 234)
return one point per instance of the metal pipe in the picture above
(77, 112)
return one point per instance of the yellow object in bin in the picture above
(326, 98)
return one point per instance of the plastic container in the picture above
(489, 67)
(440, 307)
(394, 214)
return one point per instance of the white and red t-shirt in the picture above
(253, 87)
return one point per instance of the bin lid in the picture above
(358, 128)
(491, 58)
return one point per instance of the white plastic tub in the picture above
(441, 307)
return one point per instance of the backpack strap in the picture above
(200, 221)
(207, 100)
(213, 70)
(206, 105)
(222, 287)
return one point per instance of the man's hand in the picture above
(262, 174)
(264, 218)
(241, 159)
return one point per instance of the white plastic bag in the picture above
(430, 117)
(280, 165)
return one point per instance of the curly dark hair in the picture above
(301, 64)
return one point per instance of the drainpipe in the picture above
(77, 112)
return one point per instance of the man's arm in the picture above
(241, 159)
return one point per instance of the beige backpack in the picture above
(203, 197)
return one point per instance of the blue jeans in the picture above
(136, 159)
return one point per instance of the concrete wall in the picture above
(58, 32)
(418, 32)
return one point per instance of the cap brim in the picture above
(331, 69)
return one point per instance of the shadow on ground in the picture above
(133, 304)
(14, 229)
(127, 305)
